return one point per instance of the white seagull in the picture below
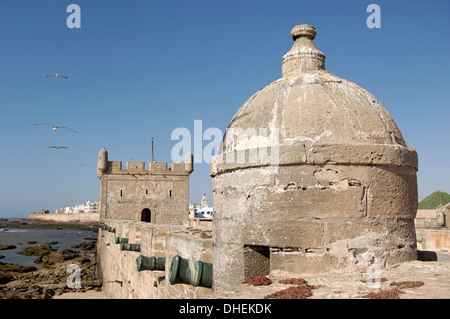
(57, 147)
(57, 75)
(55, 128)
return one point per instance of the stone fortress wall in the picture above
(146, 248)
(432, 229)
(66, 218)
(154, 194)
(118, 268)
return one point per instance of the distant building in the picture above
(92, 206)
(201, 211)
(68, 210)
(89, 207)
(79, 208)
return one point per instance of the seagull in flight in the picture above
(55, 128)
(57, 75)
(57, 147)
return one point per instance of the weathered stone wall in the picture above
(338, 191)
(312, 219)
(126, 193)
(200, 222)
(438, 241)
(432, 234)
(118, 269)
(77, 217)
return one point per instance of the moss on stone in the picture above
(37, 250)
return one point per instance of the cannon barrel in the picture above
(195, 273)
(150, 263)
(111, 230)
(130, 247)
(119, 240)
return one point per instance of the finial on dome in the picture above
(303, 56)
(304, 30)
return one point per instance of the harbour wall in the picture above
(65, 218)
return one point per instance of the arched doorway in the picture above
(146, 215)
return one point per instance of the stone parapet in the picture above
(118, 268)
(75, 217)
(154, 168)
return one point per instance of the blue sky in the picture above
(139, 69)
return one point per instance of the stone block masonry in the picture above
(67, 218)
(155, 194)
(118, 268)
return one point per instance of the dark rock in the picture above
(28, 269)
(85, 246)
(4, 247)
(25, 292)
(10, 267)
(5, 277)
(57, 257)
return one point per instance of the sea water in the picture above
(66, 238)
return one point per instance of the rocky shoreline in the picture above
(28, 282)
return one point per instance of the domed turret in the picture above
(342, 192)
(189, 162)
(102, 164)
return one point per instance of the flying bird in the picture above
(57, 147)
(57, 75)
(55, 128)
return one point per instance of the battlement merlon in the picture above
(138, 168)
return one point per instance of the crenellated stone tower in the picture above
(154, 194)
(342, 194)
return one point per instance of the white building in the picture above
(79, 208)
(68, 210)
(91, 206)
(203, 210)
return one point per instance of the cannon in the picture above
(111, 230)
(119, 240)
(130, 247)
(195, 273)
(150, 263)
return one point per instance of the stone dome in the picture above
(313, 176)
(313, 109)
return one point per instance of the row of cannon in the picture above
(181, 271)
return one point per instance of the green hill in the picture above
(434, 200)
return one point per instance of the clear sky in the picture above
(139, 69)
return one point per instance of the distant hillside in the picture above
(434, 200)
